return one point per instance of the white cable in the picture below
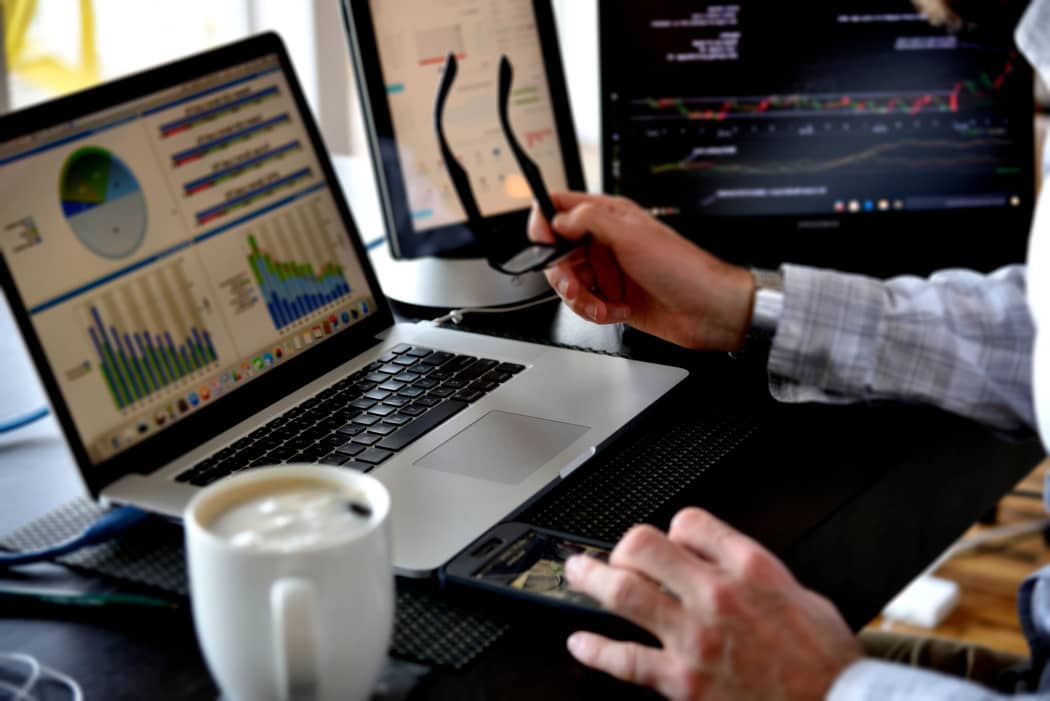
(37, 673)
(456, 315)
(986, 537)
(17, 693)
(30, 662)
(74, 687)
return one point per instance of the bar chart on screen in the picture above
(148, 334)
(295, 265)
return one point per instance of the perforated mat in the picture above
(427, 629)
(611, 493)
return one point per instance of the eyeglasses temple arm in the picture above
(460, 180)
(528, 167)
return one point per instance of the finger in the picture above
(538, 229)
(605, 219)
(578, 297)
(719, 543)
(629, 662)
(629, 594)
(646, 550)
(567, 200)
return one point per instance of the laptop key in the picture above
(408, 377)
(420, 352)
(438, 358)
(412, 392)
(376, 377)
(428, 401)
(316, 450)
(411, 410)
(374, 456)
(468, 395)
(363, 404)
(460, 362)
(334, 440)
(397, 420)
(391, 386)
(413, 431)
(367, 439)
(426, 383)
(382, 410)
(406, 361)
(382, 429)
(388, 357)
(442, 392)
(476, 370)
(378, 395)
(365, 420)
(252, 452)
(359, 466)
(333, 459)
(401, 348)
(350, 449)
(351, 429)
(330, 424)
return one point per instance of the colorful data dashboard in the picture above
(184, 246)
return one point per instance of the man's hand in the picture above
(637, 270)
(733, 622)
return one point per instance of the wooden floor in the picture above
(989, 576)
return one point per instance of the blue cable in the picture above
(107, 527)
(375, 243)
(24, 420)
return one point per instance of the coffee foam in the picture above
(287, 516)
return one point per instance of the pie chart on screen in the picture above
(103, 203)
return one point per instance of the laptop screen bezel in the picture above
(881, 244)
(163, 447)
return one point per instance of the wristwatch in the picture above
(766, 308)
(769, 301)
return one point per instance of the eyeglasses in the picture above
(515, 260)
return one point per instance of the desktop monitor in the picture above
(399, 50)
(852, 134)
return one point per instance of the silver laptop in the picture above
(181, 261)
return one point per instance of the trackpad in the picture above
(502, 447)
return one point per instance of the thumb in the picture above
(602, 219)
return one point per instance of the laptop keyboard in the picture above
(364, 419)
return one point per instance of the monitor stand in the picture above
(452, 283)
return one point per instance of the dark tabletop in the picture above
(856, 499)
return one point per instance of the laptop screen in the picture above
(173, 248)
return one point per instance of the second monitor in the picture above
(399, 49)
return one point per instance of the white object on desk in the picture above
(925, 602)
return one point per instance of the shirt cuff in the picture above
(826, 327)
(874, 680)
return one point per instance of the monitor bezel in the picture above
(224, 412)
(879, 243)
(454, 240)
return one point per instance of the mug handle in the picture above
(295, 650)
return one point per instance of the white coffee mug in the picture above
(292, 598)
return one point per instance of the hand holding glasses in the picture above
(530, 257)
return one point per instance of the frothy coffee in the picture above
(291, 516)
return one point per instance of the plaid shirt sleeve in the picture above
(872, 680)
(959, 340)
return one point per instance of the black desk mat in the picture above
(602, 500)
